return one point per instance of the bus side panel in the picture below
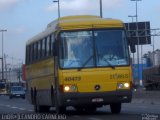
(40, 77)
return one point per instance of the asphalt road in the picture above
(130, 111)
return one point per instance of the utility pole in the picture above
(137, 39)
(58, 8)
(132, 16)
(2, 31)
(1, 63)
(100, 3)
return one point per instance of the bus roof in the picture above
(76, 22)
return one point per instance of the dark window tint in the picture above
(43, 48)
(47, 45)
(39, 49)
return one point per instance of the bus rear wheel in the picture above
(91, 109)
(40, 109)
(59, 109)
(115, 108)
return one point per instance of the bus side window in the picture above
(27, 55)
(39, 49)
(35, 51)
(47, 45)
(50, 45)
(43, 48)
(53, 46)
(31, 53)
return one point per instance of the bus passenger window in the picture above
(52, 44)
(27, 54)
(35, 51)
(39, 49)
(32, 53)
(43, 48)
(47, 45)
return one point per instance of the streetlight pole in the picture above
(2, 30)
(2, 67)
(132, 16)
(137, 38)
(58, 8)
(100, 3)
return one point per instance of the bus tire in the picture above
(115, 108)
(35, 101)
(52, 96)
(41, 109)
(32, 96)
(59, 109)
(91, 109)
(79, 109)
(10, 97)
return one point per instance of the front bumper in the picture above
(96, 98)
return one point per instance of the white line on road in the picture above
(30, 110)
(14, 107)
(21, 108)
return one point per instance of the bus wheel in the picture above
(115, 108)
(40, 109)
(35, 101)
(59, 109)
(10, 97)
(79, 109)
(32, 96)
(91, 109)
(52, 96)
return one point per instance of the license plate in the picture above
(17, 95)
(97, 100)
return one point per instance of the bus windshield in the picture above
(96, 48)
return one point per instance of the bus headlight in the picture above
(73, 88)
(69, 88)
(123, 85)
(66, 88)
(126, 85)
(120, 86)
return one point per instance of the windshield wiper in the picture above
(85, 63)
(109, 64)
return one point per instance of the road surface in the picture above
(130, 111)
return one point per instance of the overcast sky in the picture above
(25, 18)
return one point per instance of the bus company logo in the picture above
(97, 87)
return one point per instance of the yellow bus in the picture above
(79, 61)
